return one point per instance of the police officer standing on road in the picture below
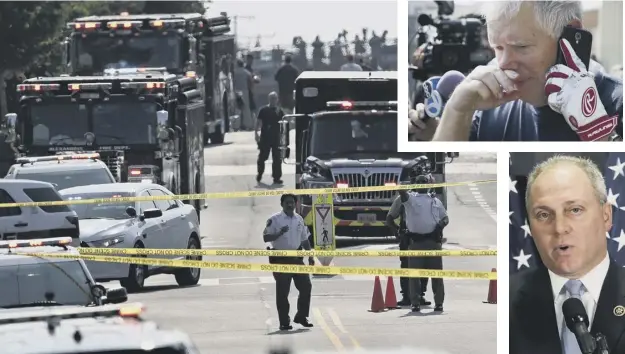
(426, 218)
(267, 134)
(286, 231)
(398, 210)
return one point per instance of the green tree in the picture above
(27, 30)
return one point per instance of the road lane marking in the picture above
(326, 329)
(337, 322)
(477, 195)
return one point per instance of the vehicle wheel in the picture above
(189, 276)
(136, 276)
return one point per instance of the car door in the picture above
(12, 220)
(170, 219)
(151, 229)
(182, 220)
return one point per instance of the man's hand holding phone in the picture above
(284, 230)
(572, 92)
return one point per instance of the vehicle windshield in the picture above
(29, 283)
(98, 52)
(64, 179)
(340, 133)
(59, 124)
(99, 210)
(118, 123)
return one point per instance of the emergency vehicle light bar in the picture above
(125, 71)
(108, 311)
(141, 85)
(167, 23)
(90, 86)
(123, 24)
(84, 25)
(38, 87)
(57, 241)
(24, 160)
(352, 104)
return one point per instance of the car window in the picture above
(100, 210)
(164, 205)
(143, 206)
(69, 178)
(6, 198)
(29, 283)
(46, 195)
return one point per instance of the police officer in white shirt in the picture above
(426, 218)
(286, 231)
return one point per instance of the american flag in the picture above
(523, 254)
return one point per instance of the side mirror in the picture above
(98, 291)
(453, 154)
(132, 212)
(116, 296)
(162, 118)
(152, 213)
(10, 122)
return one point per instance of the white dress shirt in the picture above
(593, 282)
(292, 239)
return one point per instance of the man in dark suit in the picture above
(569, 215)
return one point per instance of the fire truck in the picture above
(145, 126)
(346, 136)
(186, 44)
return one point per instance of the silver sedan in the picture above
(164, 224)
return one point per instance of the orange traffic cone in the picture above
(492, 290)
(377, 301)
(390, 299)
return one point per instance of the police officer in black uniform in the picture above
(267, 134)
(286, 230)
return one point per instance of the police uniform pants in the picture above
(264, 148)
(404, 282)
(283, 287)
(434, 263)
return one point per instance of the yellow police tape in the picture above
(243, 194)
(280, 253)
(280, 268)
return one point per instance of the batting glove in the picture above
(571, 91)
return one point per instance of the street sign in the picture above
(323, 225)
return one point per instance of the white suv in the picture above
(25, 223)
(63, 171)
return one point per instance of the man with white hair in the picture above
(569, 216)
(527, 96)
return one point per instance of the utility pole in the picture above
(236, 22)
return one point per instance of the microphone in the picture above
(433, 101)
(576, 320)
(441, 92)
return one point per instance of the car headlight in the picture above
(109, 241)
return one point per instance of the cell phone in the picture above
(581, 41)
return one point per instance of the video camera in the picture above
(456, 46)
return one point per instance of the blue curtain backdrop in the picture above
(523, 254)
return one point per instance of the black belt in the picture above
(285, 260)
(434, 236)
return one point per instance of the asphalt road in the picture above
(234, 312)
